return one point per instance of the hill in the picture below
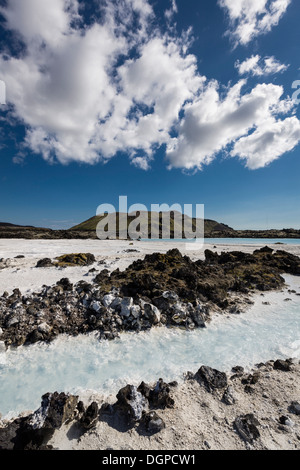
(153, 221)
(6, 224)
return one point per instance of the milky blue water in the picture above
(238, 241)
(73, 365)
(252, 241)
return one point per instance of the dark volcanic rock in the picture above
(250, 390)
(56, 409)
(19, 435)
(44, 263)
(160, 397)
(238, 370)
(131, 402)
(65, 284)
(145, 390)
(152, 422)
(211, 257)
(138, 405)
(284, 366)
(229, 396)
(34, 336)
(295, 408)
(213, 379)
(246, 426)
(152, 314)
(251, 379)
(265, 249)
(90, 416)
(34, 431)
(286, 421)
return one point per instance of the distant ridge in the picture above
(87, 230)
(6, 224)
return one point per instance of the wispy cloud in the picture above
(169, 14)
(251, 18)
(257, 66)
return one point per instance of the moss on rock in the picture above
(75, 259)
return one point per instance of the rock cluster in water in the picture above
(163, 289)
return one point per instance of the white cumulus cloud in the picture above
(86, 92)
(36, 20)
(271, 140)
(211, 123)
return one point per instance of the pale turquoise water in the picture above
(237, 241)
(252, 241)
(75, 364)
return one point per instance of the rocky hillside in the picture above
(149, 220)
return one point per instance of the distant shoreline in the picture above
(147, 228)
(33, 233)
(84, 236)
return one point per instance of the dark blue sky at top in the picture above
(35, 192)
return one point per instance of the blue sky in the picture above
(161, 101)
